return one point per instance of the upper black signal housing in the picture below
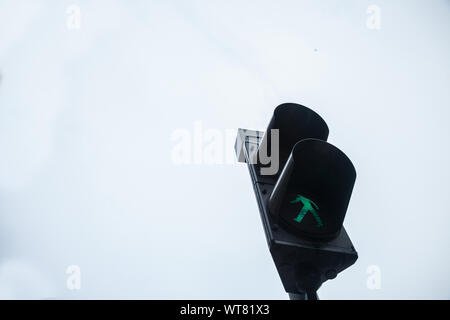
(294, 122)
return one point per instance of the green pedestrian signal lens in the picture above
(308, 206)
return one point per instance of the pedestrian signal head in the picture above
(313, 191)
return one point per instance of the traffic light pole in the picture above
(303, 296)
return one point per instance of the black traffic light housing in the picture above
(303, 203)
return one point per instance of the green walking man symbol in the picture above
(308, 206)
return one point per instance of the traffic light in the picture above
(303, 186)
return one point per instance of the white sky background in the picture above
(87, 116)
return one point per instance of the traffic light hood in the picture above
(312, 194)
(294, 122)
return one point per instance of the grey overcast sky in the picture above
(92, 109)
